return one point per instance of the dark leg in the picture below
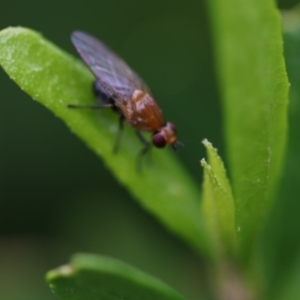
(144, 151)
(90, 106)
(117, 144)
(142, 139)
(176, 144)
(101, 94)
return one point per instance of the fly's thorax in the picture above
(142, 112)
(137, 95)
(140, 100)
(165, 136)
(133, 106)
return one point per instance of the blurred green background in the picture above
(57, 197)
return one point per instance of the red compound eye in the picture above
(158, 140)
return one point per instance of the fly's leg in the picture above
(100, 106)
(90, 106)
(101, 95)
(176, 144)
(144, 151)
(143, 141)
(119, 136)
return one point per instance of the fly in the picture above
(119, 87)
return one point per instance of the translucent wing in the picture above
(110, 70)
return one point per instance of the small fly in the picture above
(119, 87)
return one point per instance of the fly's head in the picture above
(165, 136)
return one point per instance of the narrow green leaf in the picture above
(254, 87)
(218, 204)
(289, 288)
(55, 79)
(281, 241)
(95, 277)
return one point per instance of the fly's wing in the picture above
(110, 70)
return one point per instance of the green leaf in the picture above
(218, 204)
(289, 287)
(281, 240)
(55, 79)
(94, 277)
(254, 88)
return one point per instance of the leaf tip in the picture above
(205, 142)
(204, 164)
(208, 145)
(63, 271)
